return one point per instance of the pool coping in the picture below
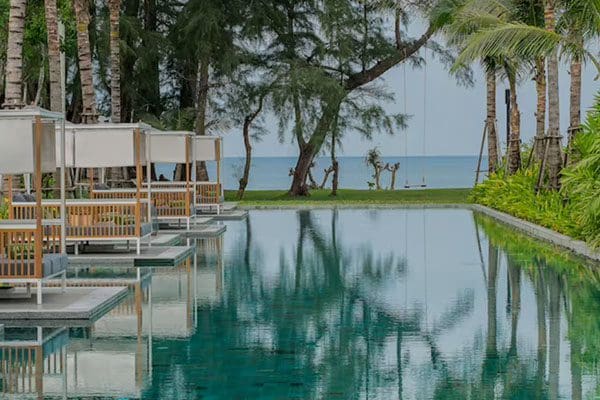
(575, 246)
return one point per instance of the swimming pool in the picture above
(377, 304)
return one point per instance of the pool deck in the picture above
(76, 304)
(155, 256)
(229, 212)
(200, 231)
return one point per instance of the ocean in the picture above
(271, 173)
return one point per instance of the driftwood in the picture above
(393, 168)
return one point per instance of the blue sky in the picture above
(454, 115)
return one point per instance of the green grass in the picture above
(353, 197)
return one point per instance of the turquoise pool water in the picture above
(348, 304)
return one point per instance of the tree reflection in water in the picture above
(317, 315)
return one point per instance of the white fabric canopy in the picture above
(17, 141)
(103, 145)
(169, 147)
(208, 148)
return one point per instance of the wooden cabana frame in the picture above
(209, 195)
(173, 201)
(100, 220)
(31, 250)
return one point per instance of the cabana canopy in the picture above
(104, 145)
(18, 129)
(208, 148)
(170, 146)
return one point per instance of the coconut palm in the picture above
(82, 14)
(114, 6)
(51, 13)
(519, 38)
(14, 55)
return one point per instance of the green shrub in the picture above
(516, 195)
(581, 180)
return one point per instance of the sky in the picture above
(446, 118)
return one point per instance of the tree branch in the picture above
(408, 49)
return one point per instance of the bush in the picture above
(516, 195)
(581, 180)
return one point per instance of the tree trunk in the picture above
(13, 96)
(309, 149)
(492, 135)
(201, 171)
(248, 161)
(334, 162)
(554, 156)
(575, 98)
(305, 158)
(115, 174)
(51, 12)
(514, 146)
(86, 73)
(540, 114)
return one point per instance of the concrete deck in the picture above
(181, 225)
(230, 215)
(201, 231)
(77, 304)
(156, 256)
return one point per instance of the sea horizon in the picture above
(272, 173)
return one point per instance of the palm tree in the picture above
(514, 141)
(86, 73)
(14, 60)
(13, 96)
(114, 6)
(51, 13)
(554, 156)
(490, 121)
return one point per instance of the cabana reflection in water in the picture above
(111, 357)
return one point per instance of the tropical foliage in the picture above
(575, 210)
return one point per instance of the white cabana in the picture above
(105, 145)
(31, 249)
(89, 220)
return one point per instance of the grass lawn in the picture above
(349, 197)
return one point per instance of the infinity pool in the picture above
(348, 304)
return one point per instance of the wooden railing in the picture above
(208, 193)
(173, 202)
(92, 219)
(18, 259)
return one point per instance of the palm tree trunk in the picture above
(514, 146)
(14, 63)
(13, 96)
(51, 12)
(575, 98)
(115, 174)
(492, 135)
(554, 156)
(540, 114)
(82, 15)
